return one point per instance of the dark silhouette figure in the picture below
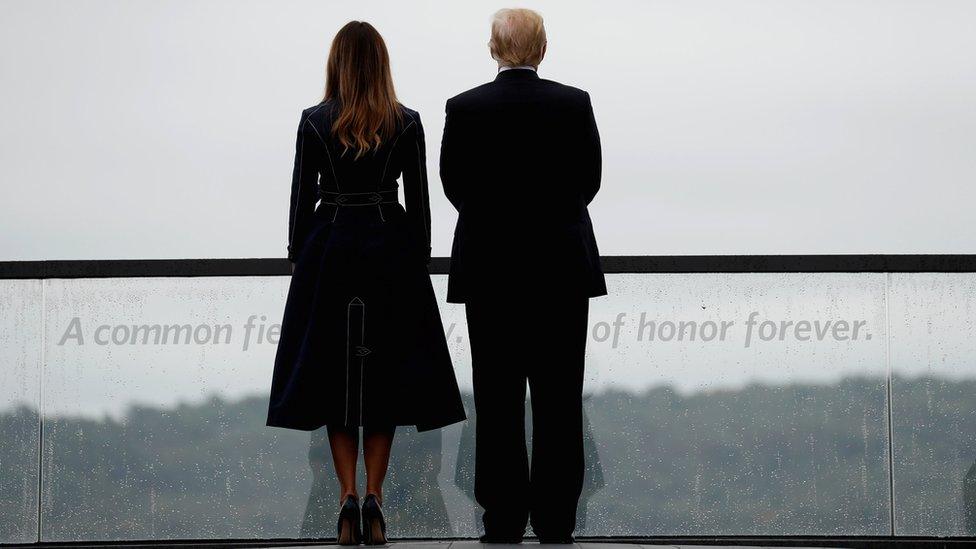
(521, 160)
(362, 344)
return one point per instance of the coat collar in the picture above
(517, 74)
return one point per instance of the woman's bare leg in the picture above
(376, 455)
(345, 452)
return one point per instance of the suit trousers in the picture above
(540, 341)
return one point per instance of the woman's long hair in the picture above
(358, 78)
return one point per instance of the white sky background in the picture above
(166, 129)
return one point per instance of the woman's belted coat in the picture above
(361, 340)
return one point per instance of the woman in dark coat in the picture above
(362, 344)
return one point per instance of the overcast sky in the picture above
(165, 129)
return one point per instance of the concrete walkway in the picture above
(472, 544)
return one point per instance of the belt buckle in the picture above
(365, 200)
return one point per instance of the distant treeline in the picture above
(762, 460)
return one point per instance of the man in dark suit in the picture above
(520, 160)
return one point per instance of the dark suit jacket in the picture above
(520, 160)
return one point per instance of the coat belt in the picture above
(358, 199)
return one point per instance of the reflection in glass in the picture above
(717, 437)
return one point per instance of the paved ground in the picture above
(476, 545)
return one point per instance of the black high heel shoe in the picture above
(348, 528)
(374, 527)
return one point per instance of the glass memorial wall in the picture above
(933, 402)
(716, 404)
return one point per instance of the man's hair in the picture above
(517, 37)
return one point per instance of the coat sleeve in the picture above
(415, 190)
(590, 154)
(304, 187)
(451, 158)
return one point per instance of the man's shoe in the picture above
(500, 539)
